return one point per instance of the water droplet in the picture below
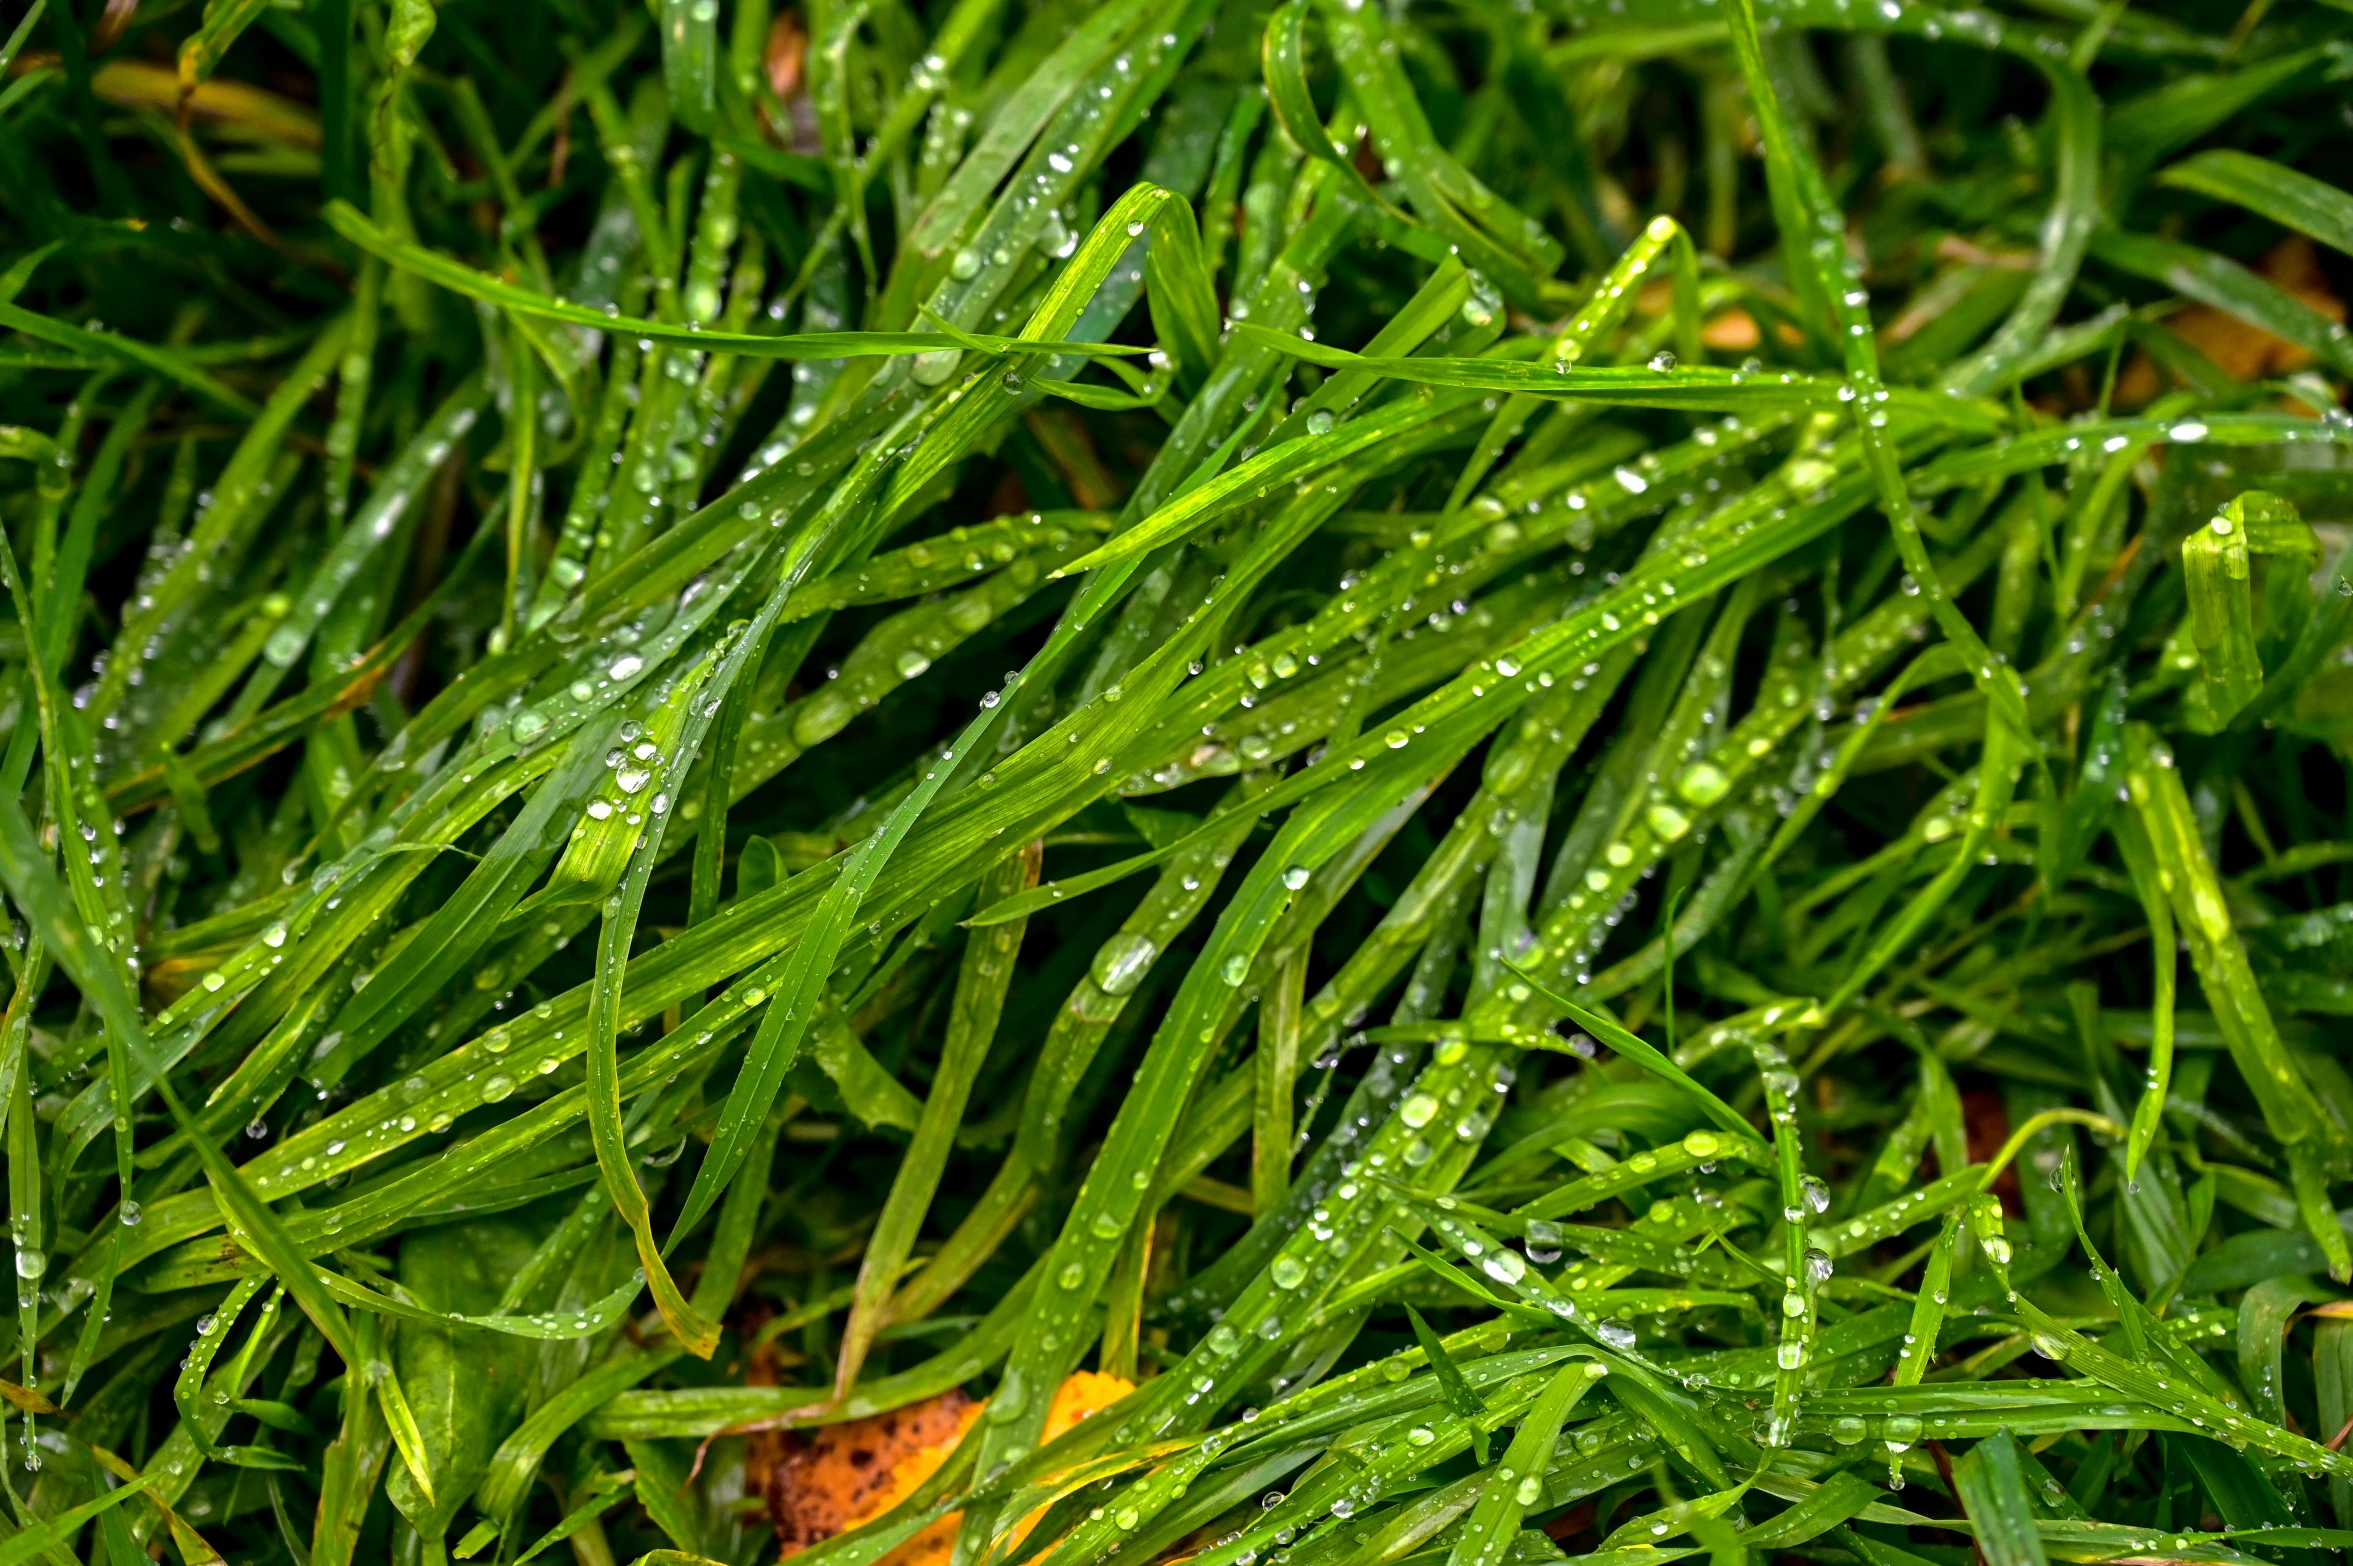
(1122, 961)
(1703, 783)
(1666, 821)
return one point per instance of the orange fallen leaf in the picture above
(829, 1479)
(844, 1476)
(1734, 329)
(787, 55)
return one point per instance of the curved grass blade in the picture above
(2222, 284)
(2066, 236)
(1702, 388)
(2286, 196)
(1457, 1391)
(1641, 1054)
(55, 1532)
(435, 268)
(116, 348)
(1283, 64)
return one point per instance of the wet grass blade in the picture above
(983, 976)
(1456, 1390)
(2282, 194)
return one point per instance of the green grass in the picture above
(1481, 735)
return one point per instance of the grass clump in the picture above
(1581, 767)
